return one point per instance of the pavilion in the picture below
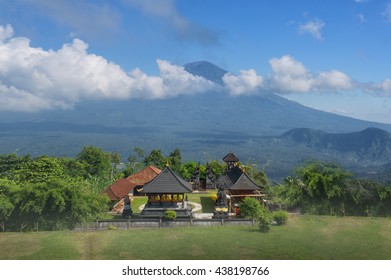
(237, 184)
(167, 191)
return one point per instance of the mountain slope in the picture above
(371, 144)
(204, 126)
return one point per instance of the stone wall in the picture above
(158, 223)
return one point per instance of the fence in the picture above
(160, 223)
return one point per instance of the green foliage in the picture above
(187, 169)
(174, 159)
(96, 160)
(39, 170)
(326, 189)
(73, 167)
(169, 215)
(280, 217)
(7, 190)
(250, 208)
(264, 220)
(11, 162)
(54, 204)
(155, 158)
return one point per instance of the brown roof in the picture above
(230, 157)
(119, 189)
(122, 187)
(144, 176)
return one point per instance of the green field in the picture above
(305, 237)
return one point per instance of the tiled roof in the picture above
(236, 179)
(230, 157)
(144, 176)
(167, 182)
(122, 187)
(245, 183)
(119, 189)
(228, 179)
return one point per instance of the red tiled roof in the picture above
(122, 187)
(144, 176)
(119, 189)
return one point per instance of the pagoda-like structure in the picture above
(237, 184)
(167, 191)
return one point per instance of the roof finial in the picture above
(167, 164)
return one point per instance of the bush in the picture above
(169, 215)
(250, 208)
(280, 217)
(265, 220)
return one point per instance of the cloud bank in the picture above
(291, 76)
(34, 79)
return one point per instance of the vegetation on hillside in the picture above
(327, 189)
(47, 193)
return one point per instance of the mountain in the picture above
(371, 145)
(204, 126)
(207, 70)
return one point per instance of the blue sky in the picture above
(331, 55)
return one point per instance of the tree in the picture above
(175, 160)
(39, 169)
(115, 160)
(134, 163)
(96, 160)
(11, 162)
(57, 204)
(73, 168)
(155, 158)
(187, 169)
(325, 187)
(7, 190)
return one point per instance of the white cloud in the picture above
(291, 76)
(6, 32)
(379, 89)
(313, 27)
(33, 79)
(246, 83)
(177, 80)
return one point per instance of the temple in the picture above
(237, 184)
(167, 191)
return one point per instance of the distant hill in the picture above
(204, 126)
(369, 145)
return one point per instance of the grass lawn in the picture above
(305, 237)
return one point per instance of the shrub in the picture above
(250, 208)
(265, 220)
(169, 215)
(280, 217)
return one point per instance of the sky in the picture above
(330, 55)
